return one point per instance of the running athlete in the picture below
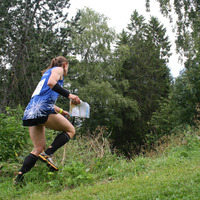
(42, 112)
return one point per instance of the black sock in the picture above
(58, 142)
(19, 177)
(29, 162)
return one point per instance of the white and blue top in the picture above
(43, 99)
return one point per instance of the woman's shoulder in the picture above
(58, 70)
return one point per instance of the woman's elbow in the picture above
(51, 84)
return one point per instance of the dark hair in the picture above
(58, 61)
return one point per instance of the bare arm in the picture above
(57, 109)
(56, 74)
(61, 111)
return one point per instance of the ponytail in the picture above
(53, 63)
(58, 61)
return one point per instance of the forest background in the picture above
(124, 77)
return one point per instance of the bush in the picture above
(180, 109)
(13, 136)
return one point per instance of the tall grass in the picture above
(89, 170)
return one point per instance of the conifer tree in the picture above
(181, 107)
(144, 69)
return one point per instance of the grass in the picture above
(177, 182)
(86, 173)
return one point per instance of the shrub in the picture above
(13, 136)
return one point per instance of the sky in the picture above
(119, 14)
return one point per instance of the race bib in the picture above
(38, 88)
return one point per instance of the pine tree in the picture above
(144, 68)
(180, 108)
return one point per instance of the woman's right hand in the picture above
(75, 99)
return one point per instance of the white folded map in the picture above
(80, 110)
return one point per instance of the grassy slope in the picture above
(174, 175)
(166, 178)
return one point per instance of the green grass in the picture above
(87, 174)
(165, 178)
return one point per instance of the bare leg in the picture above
(37, 134)
(58, 122)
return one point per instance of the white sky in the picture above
(119, 14)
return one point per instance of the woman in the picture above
(41, 112)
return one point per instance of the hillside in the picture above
(171, 171)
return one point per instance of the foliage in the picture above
(142, 76)
(171, 174)
(32, 33)
(126, 83)
(13, 136)
(182, 106)
(92, 77)
(122, 88)
(95, 43)
(187, 24)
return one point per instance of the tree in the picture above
(181, 107)
(95, 43)
(91, 76)
(187, 25)
(144, 50)
(31, 35)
